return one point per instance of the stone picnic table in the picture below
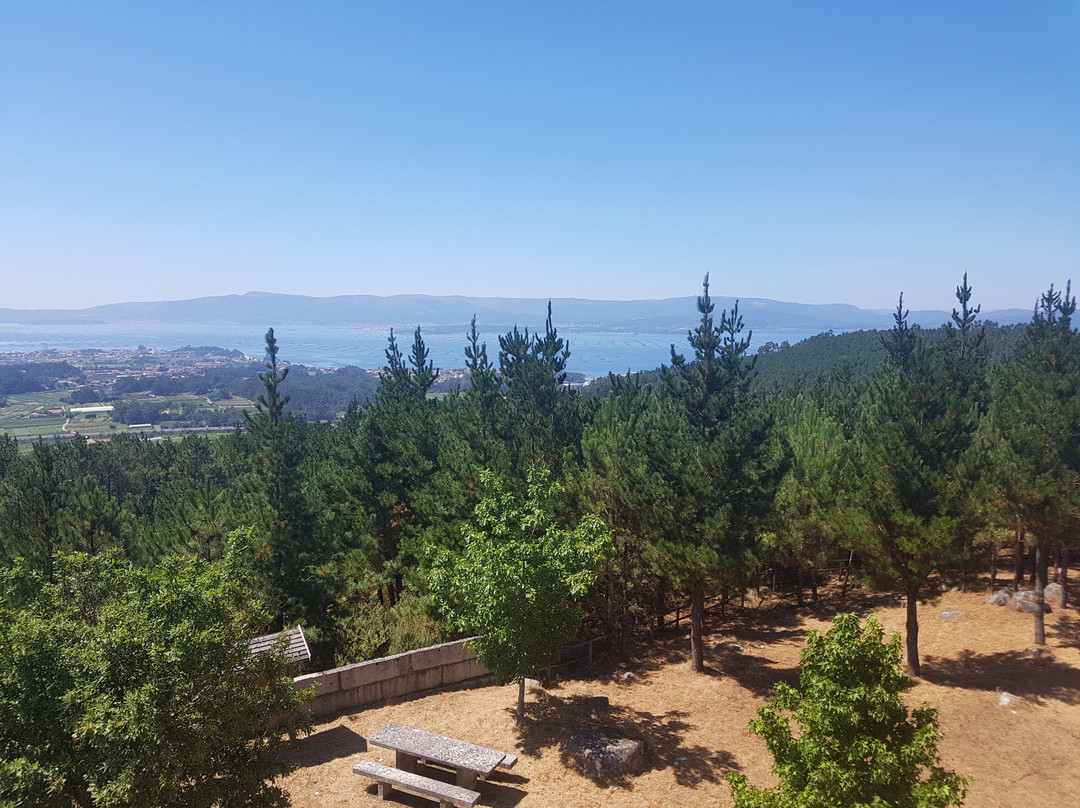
(469, 761)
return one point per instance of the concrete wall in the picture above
(391, 677)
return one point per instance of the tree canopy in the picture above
(128, 686)
(855, 744)
(517, 577)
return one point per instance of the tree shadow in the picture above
(322, 747)
(1066, 630)
(754, 671)
(549, 719)
(1015, 671)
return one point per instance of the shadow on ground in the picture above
(499, 789)
(1067, 631)
(1035, 678)
(322, 747)
(549, 718)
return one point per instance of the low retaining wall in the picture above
(391, 677)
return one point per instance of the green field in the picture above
(54, 416)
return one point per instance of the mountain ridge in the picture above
(438, 312)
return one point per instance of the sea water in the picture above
(592, 353)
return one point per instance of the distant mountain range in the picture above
(492, 313)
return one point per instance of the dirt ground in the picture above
(695, 726)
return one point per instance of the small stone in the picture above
(591, 703)
(626, 676)
(734, 646)
(950, 616)
(1036, 653)
(1000, 598)
(1006, 699)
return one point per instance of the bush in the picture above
(857, 744)
(368, 630)
(123, 686)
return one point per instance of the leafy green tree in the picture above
(127, 686)
(856, 744)
(516, 580)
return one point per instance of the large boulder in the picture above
(1000, 598)
(1053, 592)
(1027, 601)
(601, 756)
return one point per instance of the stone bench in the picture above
(387, 777)
(468, 760)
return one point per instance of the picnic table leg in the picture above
(407, 763)
(466, 778)
(384, 790)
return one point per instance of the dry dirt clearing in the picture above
(695, 726)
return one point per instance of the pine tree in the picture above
(916, 466)
(537, 423)
(1037, 416)
(738, 465)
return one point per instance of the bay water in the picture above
(592, 353)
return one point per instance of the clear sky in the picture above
(807, 151)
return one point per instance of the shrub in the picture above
(857, 744)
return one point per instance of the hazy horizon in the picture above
(716, 295)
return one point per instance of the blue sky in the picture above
(807, 151)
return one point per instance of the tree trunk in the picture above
(1040, 584)
(521, 699)
(660, 605)
(1018, 561)
(912, 626)
(1033, 565)
(813, 584)
(697, 622)
(1063, 578)
(799, 587)
(1042, 564)
(844, 577)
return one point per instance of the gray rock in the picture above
(1000, 598)
(1053, 592)
(950, 616)
(602, 757)
(1027, 601)
(734, 646)
(1006, 699)
(591, 703)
